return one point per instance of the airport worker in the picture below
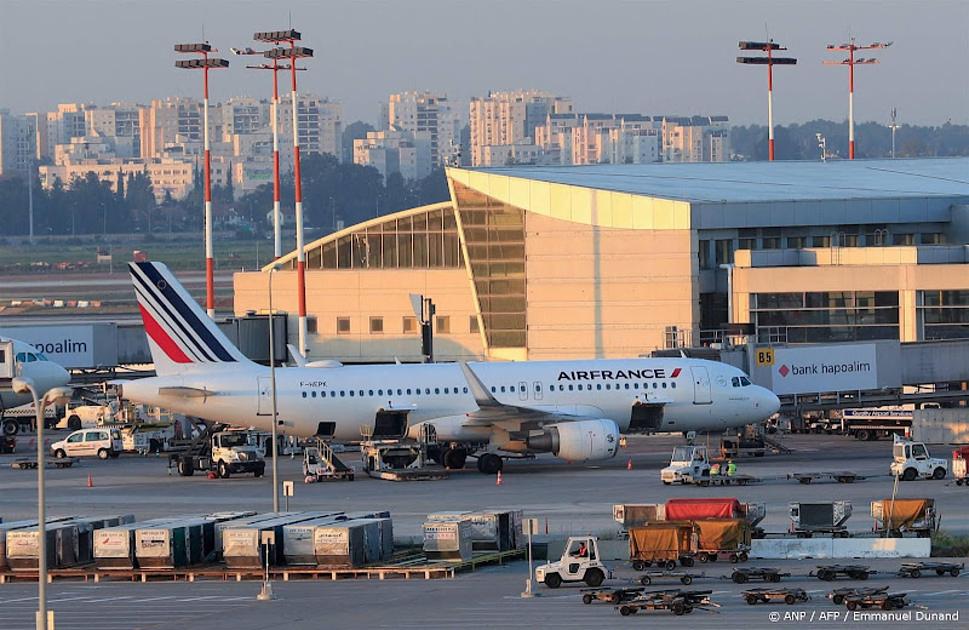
(731, 468)
(715, 469)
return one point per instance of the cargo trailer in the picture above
(663, 543)
(905, 516)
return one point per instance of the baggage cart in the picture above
(685, 578)
(838, 595)
(789, 596)
(916, 569)
(675, 601)
(843, 476)
(610, 595)
(885, 601)
(757, 574)
(829, 572)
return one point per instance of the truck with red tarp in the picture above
(633, 514)
(663, 543)
(702, 508)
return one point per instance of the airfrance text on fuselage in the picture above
(609, 375)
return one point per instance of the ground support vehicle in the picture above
(840, 476)
(898, 517)
(580, 562)
(767, 595)
(688, 464)
(218, 451)
(838, 595)
(885, 601)
(757, 574)
(960, 466)
(916, 569)
(146, 439)
(684, 577)
(829, 572)
(663, 543)
(871, 424)
(610, 595)
(808, 519)
(675, 601)
(102, 442)
(394, 460)
(911, 461)
(320, 463)
(22, 418)
(28, 463)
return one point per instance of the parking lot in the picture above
(571, 499)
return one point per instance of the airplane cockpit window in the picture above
(735, 381)
(744, 381)
(42, 357)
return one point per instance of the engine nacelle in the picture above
(581, 441)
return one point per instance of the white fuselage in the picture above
(31, 363)
(695, 395)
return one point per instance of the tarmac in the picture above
(569, 499)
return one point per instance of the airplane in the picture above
(19, 358)
(575, 410)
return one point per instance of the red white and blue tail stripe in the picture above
(180, 335)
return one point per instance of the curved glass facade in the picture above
(427, 240)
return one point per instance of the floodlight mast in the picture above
(204, 64)
(850, 48)
(293, 53)
(768, 47)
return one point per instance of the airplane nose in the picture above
(770, 402)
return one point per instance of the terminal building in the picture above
(621, 260)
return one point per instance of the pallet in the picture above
(404, 567)
(728, 480)
(915, 569)
(841, 477)
(408, 475)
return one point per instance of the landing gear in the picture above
(454, 458)
(490, 464)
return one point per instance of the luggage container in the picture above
(298, 539)
(829, 517)
(15, 525)
(242, 543)
(68, 544)
(447, 540)
(638, 514)
(491, 530)
(340, 544)
(114, 547)
(905, 516)
(178, 543)
(728, 537)
(663, 543)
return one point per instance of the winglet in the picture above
(297, 357)
(481, 394)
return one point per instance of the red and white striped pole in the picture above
(300, 254)
(209, 249)
(851, 101)
(770, 105)
(277, 218)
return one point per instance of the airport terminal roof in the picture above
(738, 182)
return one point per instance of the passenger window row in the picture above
(365, 393)
(581, 387)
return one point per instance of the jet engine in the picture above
(580, 441)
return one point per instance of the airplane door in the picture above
(522, 390)
(537, 388)
(265, 386)
(701, 386)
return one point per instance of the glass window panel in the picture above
(344, 251)
(314, 258)
(420, 251)
(452, 250)
(389, 250)
(435, 250)
(435, 220)
(329, 255)
(405, 250)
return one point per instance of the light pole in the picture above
(57, 395)
(272, 379)
(851, 62)
(894, 127)
(275, 67)
(770, 61)
(204, 64)
(293, 53)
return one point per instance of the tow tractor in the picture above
(579, 563)
(688, 464)
(911, 461)
(218, 450)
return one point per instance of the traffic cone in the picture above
(629, 464)
(90, 480)
(498, 479)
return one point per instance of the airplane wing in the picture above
(492, 412)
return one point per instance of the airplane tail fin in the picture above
(181, 336)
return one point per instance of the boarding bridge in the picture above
(819, 377)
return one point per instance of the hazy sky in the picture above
(608, 55)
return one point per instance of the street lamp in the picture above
(57, 395)
(204, 64)
(770, 61)
(851, 62)
(275, 67)
(293, 53)
(272, 378)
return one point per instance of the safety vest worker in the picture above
(731, 468)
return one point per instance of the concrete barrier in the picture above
(799, 548)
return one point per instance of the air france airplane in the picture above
(18, 358)
(575, 410)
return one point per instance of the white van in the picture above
(104, 443)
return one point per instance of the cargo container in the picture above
(447, 540)
(70, 542)
(636, 514)
(15, 525)
(905, 516)
(663, 543)
(491, 530)
(728, 537)
(178, 543)
(114, 547)
(299, 539)
(829, 517)
(242, 545)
